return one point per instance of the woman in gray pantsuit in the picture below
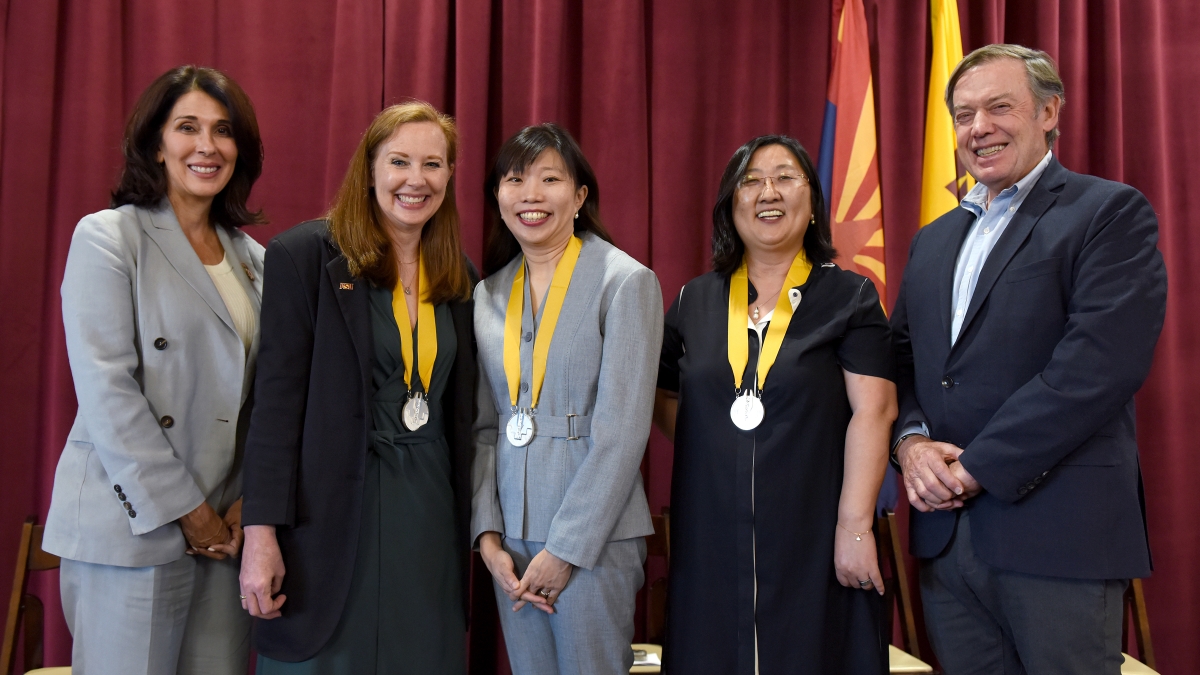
(160, 311)
(569, 330)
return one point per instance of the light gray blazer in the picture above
(574, 495)
(161, 377)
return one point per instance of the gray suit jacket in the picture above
(163, 383)
(575, 495)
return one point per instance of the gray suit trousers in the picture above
(987, 621)
(181, 617)
(592, 628)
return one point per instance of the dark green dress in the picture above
(404, 612)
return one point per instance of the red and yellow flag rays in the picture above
(849, 152)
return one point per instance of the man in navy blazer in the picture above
(1026, 321)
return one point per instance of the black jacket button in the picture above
(128, 506)
(947, 381)
(121, 496)
(132, 513)
(1022, 490)
(528, 337)
(117, 488)
(167, 421)
(160, 344)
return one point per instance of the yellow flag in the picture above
(943, 182)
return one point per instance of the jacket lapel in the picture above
(1041, 197)
(352, 298)
(162, 227)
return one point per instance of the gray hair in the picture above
(1044, 81)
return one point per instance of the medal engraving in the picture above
(415, 412)
(747, 411)
(520, 429)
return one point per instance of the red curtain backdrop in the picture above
(659, 93)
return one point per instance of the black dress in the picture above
(753, 513)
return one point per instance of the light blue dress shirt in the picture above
(990, 222)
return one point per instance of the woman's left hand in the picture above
(856, 561)
(543, 581)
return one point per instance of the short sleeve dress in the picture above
(752, 583)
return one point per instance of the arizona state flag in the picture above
(944, 182)
(849, 159)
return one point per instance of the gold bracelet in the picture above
(857, 535)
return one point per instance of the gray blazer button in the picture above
(524, 387)
(117, 488)
(167, 421)
(528, 337)
(132, 513)
(121, 496)
(160, 344)
(128, 506)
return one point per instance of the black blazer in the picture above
(307, 447)
(1038, 389)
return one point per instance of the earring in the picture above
(812, 220)
(576, 215)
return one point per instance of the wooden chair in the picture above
(657, 544)
(898, 594)
(25, 608)
(1135, 612)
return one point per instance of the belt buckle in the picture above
(571, 427)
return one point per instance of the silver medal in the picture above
(415, 412)
(520, 428)
(747, 411)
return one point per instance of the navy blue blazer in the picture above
(1038, 389)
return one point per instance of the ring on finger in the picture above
(544, 593)
(864, 584)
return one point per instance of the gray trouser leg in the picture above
(592, 628)
(126, 620)
(983, 620)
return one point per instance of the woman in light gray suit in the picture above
(569, 329)
(160, 308)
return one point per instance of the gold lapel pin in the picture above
(345, 286)
(249, 274)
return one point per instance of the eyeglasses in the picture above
(784, 182)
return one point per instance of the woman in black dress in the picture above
(773, 563)
(358, 461)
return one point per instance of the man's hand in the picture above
(929, 481)
(971, 487)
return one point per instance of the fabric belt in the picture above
(570, 427)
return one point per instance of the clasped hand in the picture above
(933, 477)
(211, 536)
(544, 580)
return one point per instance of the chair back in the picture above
(895, 578)
(24, 608)
(1135, 610)
(658, 544)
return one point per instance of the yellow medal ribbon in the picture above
(426, 329)
(541, 345)
(739, 337)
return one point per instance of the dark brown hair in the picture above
(515, 156)
(727, 245)
(356, 223)
(144, 181)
